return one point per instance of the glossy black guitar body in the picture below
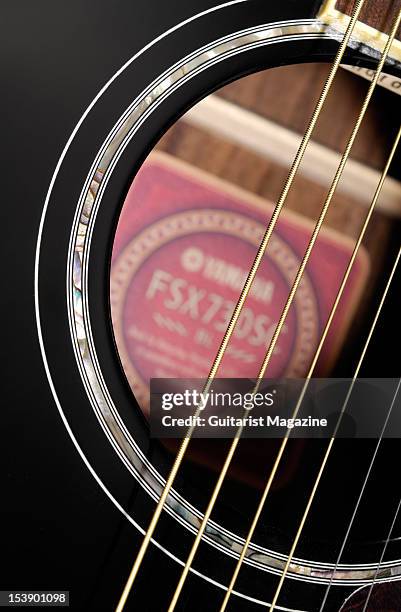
(82, 478)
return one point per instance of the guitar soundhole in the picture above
(189, 229)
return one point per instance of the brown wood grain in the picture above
(287, 95)
(378, 14)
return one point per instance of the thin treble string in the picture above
(330, 445)
(283, 317)
(243, 296)
(311, 370)
(360, 496)
(382, 555)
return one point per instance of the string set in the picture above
(331, 442)
(232, 324)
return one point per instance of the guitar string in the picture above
(382, 555)
(243, 296)
(285, 311)
(330, 445)
(311, 370)
(351, 522)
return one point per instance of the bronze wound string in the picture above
(243, 296)
(354, 513)
(331, 442)
(287, 306)
(311, 370)
(389, 535)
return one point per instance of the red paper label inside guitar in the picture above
(183, 248)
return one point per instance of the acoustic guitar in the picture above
(229, 208)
